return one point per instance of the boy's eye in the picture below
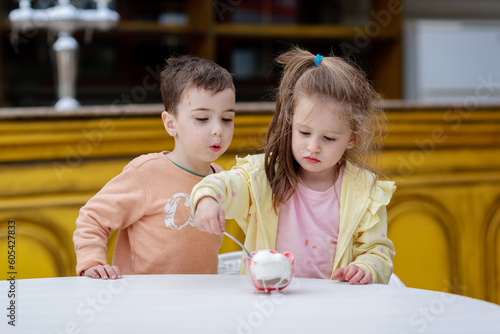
(227, 119)
(202, 119)
(329, 139)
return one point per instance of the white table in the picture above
(229, 304)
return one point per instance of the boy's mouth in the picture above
(215, 148)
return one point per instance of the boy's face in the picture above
(203, 127)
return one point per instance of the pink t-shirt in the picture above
(308, 227)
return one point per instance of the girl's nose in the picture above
(313, 145)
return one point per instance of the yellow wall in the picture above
(444, 218)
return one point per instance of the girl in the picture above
(313, 192)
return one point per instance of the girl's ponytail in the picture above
(283, 180)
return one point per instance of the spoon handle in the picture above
(239, 243)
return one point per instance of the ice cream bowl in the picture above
(270, 270)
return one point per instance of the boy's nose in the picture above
(217, 130)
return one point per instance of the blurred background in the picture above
(389, 40)
(435, 62)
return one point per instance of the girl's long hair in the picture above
(334, 82)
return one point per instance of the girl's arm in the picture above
(221, 196)
(373, 251)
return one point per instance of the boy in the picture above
(149, 201)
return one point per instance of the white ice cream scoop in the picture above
(270, 270)
(267, 269)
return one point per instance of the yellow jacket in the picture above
(245, 195)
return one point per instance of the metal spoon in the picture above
(239, 243)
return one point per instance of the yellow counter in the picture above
(444, 218)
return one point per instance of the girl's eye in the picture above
(305, 133)
(329, 139)
(201, 119)
(227, 119)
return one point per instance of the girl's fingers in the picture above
(357, 277)
(215, 225)
(222, 219)
(367, 278)
(350, 271)
(353, 274)
(339, 274)
(198, 225)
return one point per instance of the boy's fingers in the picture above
(91, 273)
(117, 271)
(102, 272)
(96, 272)
(110, 271)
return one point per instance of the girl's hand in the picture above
(209, 216)
(353, 274)
(103, 272)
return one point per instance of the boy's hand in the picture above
(103, 272)
(209, 216)
(353, 274)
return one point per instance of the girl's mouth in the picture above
(312, 160)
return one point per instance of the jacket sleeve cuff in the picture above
(198, 193)
(88, 257)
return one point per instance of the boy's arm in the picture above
(120, 203)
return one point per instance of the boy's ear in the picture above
(169, 123)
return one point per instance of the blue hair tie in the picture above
(318, 60)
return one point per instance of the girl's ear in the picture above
(169, 123)
(352, 142)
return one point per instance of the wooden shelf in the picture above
(260, 30)
(298, 31)
(155, 27)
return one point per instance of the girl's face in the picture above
(319, 139)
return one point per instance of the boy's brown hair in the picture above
(184, 72)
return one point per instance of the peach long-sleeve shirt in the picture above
(149, 204)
